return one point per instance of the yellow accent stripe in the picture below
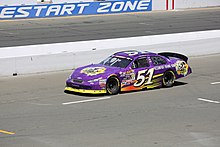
(85, 91)
(155, 76)
(152, 86)
(7, 132)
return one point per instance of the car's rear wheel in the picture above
(113, 85)
(168, 79)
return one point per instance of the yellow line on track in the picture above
(7, 132)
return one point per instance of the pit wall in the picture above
(64, 56)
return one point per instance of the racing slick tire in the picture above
(113, 85)
(168, 79)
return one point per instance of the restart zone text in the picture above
(70, 9)
(129, 71)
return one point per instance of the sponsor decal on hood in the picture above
(92, 71)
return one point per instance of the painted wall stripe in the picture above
(173, 4)
(168, 4)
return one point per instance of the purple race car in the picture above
(128, 71)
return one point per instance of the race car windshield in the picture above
(116, 61)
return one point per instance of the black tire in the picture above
(113, 85)
(168, 79)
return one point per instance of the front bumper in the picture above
(85, 91)
(85, 87)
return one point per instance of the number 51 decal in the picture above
(141, 77)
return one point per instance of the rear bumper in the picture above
(85, 91)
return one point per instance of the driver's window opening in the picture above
(140, 63)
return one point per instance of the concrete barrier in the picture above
(62, 56)
(183, 4)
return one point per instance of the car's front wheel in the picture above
(168, 79)
(113, 85)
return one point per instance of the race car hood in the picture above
(94, 71)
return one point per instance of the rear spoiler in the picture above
(169, 54)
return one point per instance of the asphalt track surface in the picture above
(36, 112)
(70, 29)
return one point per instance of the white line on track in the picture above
(84, 101)
(215, 83)
(210, 101)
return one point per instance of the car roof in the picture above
(133, 54)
